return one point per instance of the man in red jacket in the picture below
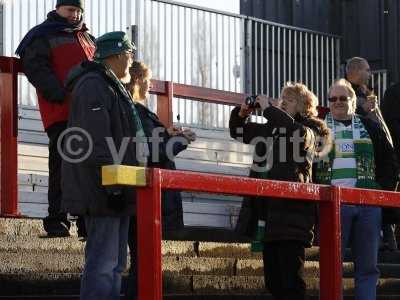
(48, 52)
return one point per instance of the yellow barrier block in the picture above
(123, 175)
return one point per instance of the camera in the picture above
(251, 101)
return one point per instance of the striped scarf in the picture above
(351, 160)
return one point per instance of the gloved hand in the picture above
(115, 199)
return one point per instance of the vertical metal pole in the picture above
(290, 78)
(249, 56)
(317, 79)
(295, 55)
(337, 57)
(164, 105)
(224, 87)
(135, 39)
(312, 64)
(384, 83)
(322, 68)
(267, 58)
(273, 61)
(330, 247)
(148, 203)
(8, 142)
(284, 52)
(332, 60)
(278, 81)
(165, 42)
(210, 85)
(255, 79)
(301, 56)
(306, 58)
(262, 69)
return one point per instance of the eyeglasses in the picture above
(340, 98)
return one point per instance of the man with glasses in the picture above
(358, 74)
(48, 53)
(106, 121)
(361, 157)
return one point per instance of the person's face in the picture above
(289, 104)
(72, 13)
(364, 73)
(125, 61)
(340, 103)
(144, 87)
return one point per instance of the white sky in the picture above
(232, 6)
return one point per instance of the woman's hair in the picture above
(139, 72)
(350, 91)
(306, 100)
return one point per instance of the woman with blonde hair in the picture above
(160, 139)
(285, 147)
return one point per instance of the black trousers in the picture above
(54, 192)
(132, 284)
(284, 269)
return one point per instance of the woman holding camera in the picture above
(285, 147)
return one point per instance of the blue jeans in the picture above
(361, 226)
(105, 257)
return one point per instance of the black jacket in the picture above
(390, 106)
(386, 164)
(171, 203)
(285, 219)
(104, 111)
(37, 54)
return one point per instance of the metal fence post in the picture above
(148, 205)
(8, 139)
(164, 105)
(330, 247)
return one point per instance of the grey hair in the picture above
(354, 64)
(350, 91)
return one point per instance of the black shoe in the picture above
(56, 227)
(81, 226)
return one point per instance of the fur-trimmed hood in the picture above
(323, 133)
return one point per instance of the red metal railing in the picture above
(149, 217)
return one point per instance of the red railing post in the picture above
(8, 141)
(330, 247)
(164, 105)
(148, 209)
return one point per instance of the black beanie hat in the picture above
(77, 3)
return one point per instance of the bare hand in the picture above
(174, 131)
(245, 111)
(370, 104)
(189, 135)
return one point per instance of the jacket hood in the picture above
(80, 70)
(323, 134)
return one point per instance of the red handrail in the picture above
(148, 209)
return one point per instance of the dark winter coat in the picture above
(48, 52)
(171, 204)
(285, 219)
(386, 165)
(103, 110)
(390, 106)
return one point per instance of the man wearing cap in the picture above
(48, 52)
(105, 125)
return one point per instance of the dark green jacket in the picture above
(100, 108)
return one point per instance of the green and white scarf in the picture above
(351, 157)
(142, 147)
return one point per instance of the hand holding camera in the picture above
(252, 103)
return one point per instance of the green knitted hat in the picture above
(77, 3)
(112, 43)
